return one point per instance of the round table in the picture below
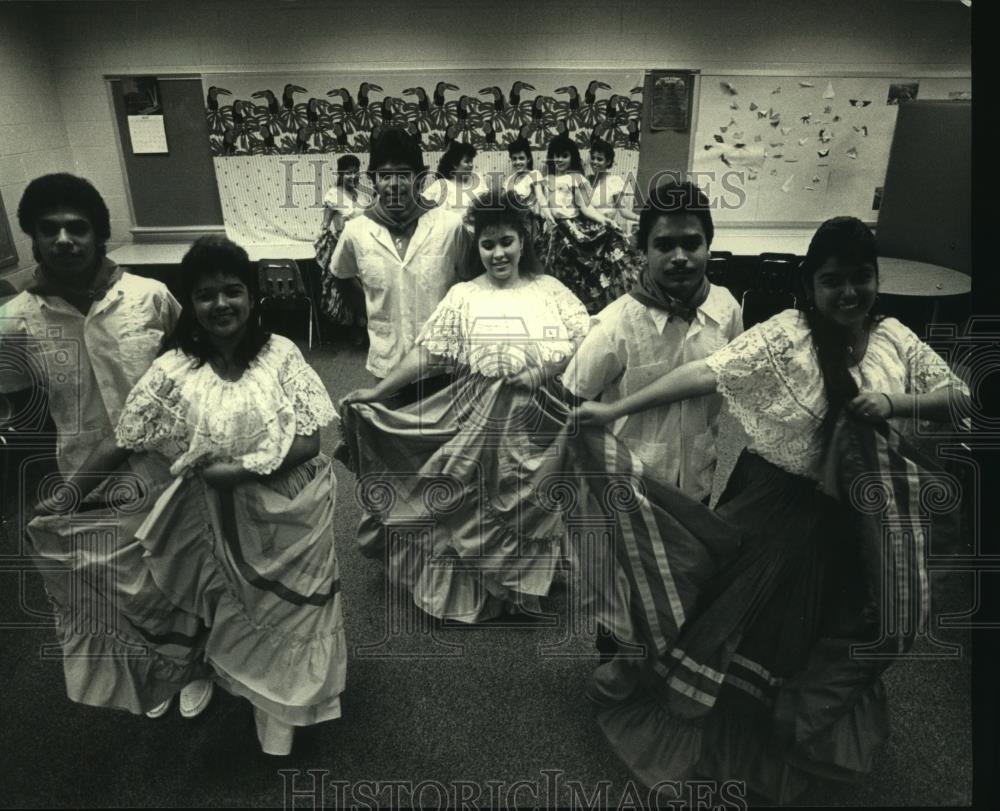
(907, 277)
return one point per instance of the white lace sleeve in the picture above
(308, 395)
(764, 375)
(444, 334)
(153, 416)
(926, 370)
(571, 310)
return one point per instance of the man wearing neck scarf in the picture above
(402, 255)
(83, 330)
(672, 315)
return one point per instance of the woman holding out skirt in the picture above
(236, 528)
(766, 679)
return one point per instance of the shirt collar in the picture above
(105, 282)
(711, 308)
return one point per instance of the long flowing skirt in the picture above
(336, 303)
(594, 261)
(124, 643)
(765, 682)
(474, 495)
(241, 585)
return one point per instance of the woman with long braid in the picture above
(758, 681)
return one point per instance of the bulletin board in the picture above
(175, 188)
(798, 149)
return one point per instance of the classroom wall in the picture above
(33, 139)
(88, 40)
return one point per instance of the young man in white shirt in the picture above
(402, 256)
(672, 316)
(84, 331)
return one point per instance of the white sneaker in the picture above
(195, 697)
(160, 709)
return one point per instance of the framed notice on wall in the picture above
(8, 253)
(145, 114)
(670, 103)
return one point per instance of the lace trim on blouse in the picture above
(192, 416)
(772, 384)
(542, 323)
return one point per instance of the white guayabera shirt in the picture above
(88, 363)
(629, 346)
(401, 293)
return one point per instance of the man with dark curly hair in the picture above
(84, 331)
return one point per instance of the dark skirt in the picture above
(761, 685)
(594, 261)
(337, 304)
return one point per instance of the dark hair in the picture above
(49, 192)
(498, 206)
(563, 143)
(670, 198)
(215, 254)
(456, 152)
(521, 145)
(602, 147)
(848, 241)
(348, 163)
(395, 145)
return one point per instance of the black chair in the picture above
(718, 269)
(283, 291)
(771, 290)
(769, 256)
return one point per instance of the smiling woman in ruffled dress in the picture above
(464, 456)
(773, 674)
(237, 528)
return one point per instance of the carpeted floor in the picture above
(464, 711)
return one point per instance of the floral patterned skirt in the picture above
(595, 261)
(334, 305)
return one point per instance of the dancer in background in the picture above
(758, 681)
(583, 248)
(609, 191)
(528, 183)
(458, 184)
(345, 200)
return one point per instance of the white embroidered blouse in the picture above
(499, 331)
(562, 193)
(192, 416)
(772, 383)
(524, 184)
(340, 200)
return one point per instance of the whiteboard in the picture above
(795, 149)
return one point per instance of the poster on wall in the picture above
(144, 111)
(670, 103)
(275, 138)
